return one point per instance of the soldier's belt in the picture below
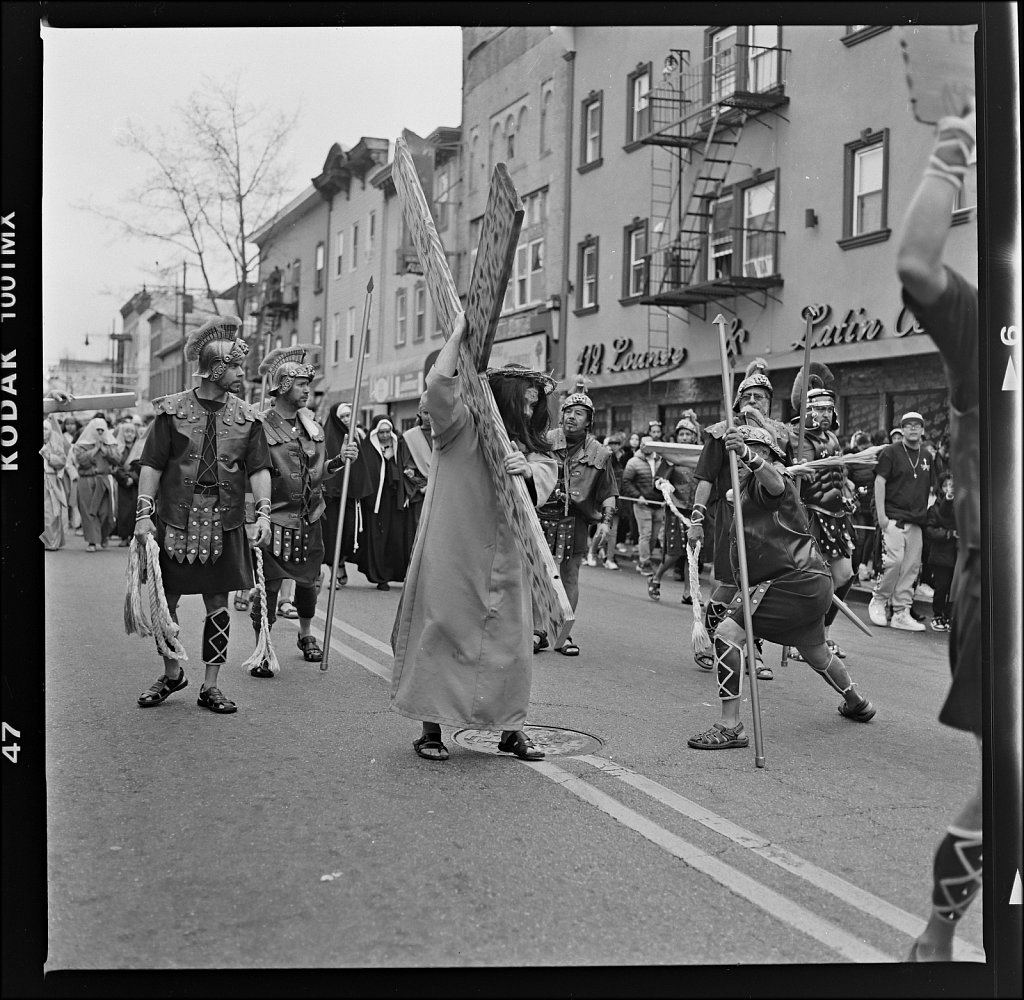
(203, 536)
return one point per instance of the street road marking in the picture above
(818, 877)
(856, 897)
(775, 905)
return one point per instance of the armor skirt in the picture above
(675, 534)
(232, 569)
(791, 609)
(294, 555)
(832, 532)
(962, 707)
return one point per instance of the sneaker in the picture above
(902, 620)
(863, 573)
(939, 625)
(645, 569)
(924, 592)
(591, 560)
(610, 564)
(876, 612)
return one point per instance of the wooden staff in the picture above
(741, 547)
(348, 471)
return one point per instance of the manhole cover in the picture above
(555, 742)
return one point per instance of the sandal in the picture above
(521, 745)
(836, 649)
(263, 670)
(706, 661)
(163, 687)
(686, 599)
(241, 600)
(863, 712)
(654, 589)
(287, 609)
(794, 654)
(568, 648)
(540, 641)
(764, 672)
(430, 741)
(211, 698)
(718, 737)
(312, 652)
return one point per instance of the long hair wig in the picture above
(510, 395)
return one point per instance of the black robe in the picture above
(358, 485)
(383, 553)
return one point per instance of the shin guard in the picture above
(729, 661)
(216, 630)
(305, 599)
(835, 675)
(714, 612)
(956, 872)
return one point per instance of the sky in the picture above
(346, 82)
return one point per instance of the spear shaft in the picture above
(345, 477)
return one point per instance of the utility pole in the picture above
(184, 338)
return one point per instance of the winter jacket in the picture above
(638, 480)
(939, 530)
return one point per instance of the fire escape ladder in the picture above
(666, 169)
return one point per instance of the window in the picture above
(634, 277)
(762, 63)
(590, 131)
(526, 286)
(722, 66)
(510, 137)
(759, 230)
(860, 32)
(419, 329)
(318, 268)
(474, 160)
(622, 420)
(638, 117)
(545, 119)
(278, 341)
(494, 146)
(442, 192)
(294, 338)
(339, 253)
(318, 325)
(586, 275)
(720, 240)
(521, 128)
(371, 235)
(535, 208)
(335, 338)
(354, 260)
(350, 331)
(865, 184)
(401, 317)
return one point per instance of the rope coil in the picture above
(264, 650)
(143, 572)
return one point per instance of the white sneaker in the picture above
(610, 564)
(902, 619)
(863, 573)
(876, 612)
(591, 560)
(924, 592)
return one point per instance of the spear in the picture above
(345, 477)
(741, 547)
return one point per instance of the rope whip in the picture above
(264, 650)
(143, 571)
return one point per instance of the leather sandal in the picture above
(163, 686)
(312, 652)
(718, 737)
(568, 648)
(764, 672)
(211, 698)
(522, 746)
(863, 712)
(431, 741)
(540, 641)
(654, 589)
(836, 649)
(287, 609)
(241, 600)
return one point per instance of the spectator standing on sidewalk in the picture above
(863, 518)
(585, 494)
(902, 478)
(946, 306)
(940, 530)
(648, 505)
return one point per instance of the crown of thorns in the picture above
(542, 380)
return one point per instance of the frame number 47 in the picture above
(11, 749)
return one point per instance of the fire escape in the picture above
(697, 121)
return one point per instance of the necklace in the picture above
(913, 465)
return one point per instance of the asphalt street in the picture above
(303, 831)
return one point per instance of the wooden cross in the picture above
(499, 235)
(110, 401)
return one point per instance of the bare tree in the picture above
(216, 177)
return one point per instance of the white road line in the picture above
(381, 647)
(856, 897)
(775, 905)
(383, 671)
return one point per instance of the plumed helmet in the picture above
(760, 435)
(284, 365)
(755, 378)
(214, 346)
(579, 397)
(688, 422)
(820, 389)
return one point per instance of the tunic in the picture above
(463, 637)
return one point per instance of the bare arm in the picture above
(447, 362)
(883, 521)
